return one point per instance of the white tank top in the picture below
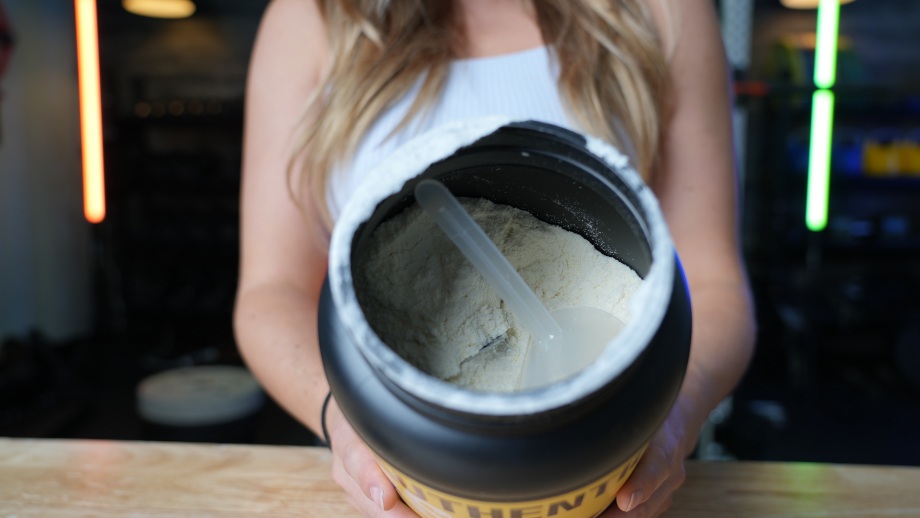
(521, 86)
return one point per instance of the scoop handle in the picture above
(475, 244)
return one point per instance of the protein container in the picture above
(562, 450)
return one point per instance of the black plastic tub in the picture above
(561, 450)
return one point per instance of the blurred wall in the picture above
(45, 255)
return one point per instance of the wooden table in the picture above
(49, 478)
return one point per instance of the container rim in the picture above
(410, 160)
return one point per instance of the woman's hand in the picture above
(356, 470)
(660, 472)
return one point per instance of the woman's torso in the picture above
(520, 85)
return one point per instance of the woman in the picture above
(335, 85)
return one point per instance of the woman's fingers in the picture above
(661, 467)
(652, 507)
(364, 505)
(652, 472)
(356, 469)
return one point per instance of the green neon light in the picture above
(822, 116)
(819, 160)
(826, 43)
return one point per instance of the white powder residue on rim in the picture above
(655, 293)
(410, 160)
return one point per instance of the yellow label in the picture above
(584, 502)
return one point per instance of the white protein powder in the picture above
(426, 301)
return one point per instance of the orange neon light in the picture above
(90, 110)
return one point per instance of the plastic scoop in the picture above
(569, 338)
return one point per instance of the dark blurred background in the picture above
(88, 312)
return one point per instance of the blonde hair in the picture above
(613, 74)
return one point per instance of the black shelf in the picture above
(171, 237)
(846, 292)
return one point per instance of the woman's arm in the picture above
(696, 187)
(283, 261)
(282, 265)
(698, 191)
